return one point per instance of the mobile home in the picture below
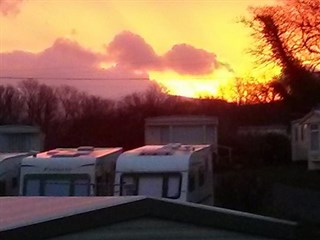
(9, 173)
(312, 120)
(182, 172)
(20, 138)
(299, 140)
(182, 129)
(83, 171)
(306, 139)
(185, 130)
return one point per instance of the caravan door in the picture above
(151, 184)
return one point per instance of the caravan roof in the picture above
(84, 151)
(181, 120)
(67, 156)
(4, 156)
(170, 157)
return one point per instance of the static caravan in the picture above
(306, 139)
(182, 172)
(182, 129)
(313, 122)
(20, 138)
(193, 130)
(83, 171)
(9, 173)
(299, 140)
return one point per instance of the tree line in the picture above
(70, 118)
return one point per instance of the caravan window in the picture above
(32, 187)
(81, 187)
(174, 182)
(56, 185)
(155, 185)
(128, 185)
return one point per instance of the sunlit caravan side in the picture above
(182, 172)
(84, 171)
(10, 172)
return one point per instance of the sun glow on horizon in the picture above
(221, 84)
(211, 85)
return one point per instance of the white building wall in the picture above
(306, 139)
(181, 129)
(20, 138)
(314, 145)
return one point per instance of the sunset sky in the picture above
(193, 47)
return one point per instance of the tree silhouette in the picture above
(250, 91)
(11, 105)
(288, 35)
(40, 103)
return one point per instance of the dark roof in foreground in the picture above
(45, 217)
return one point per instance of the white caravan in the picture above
(9, 173)
(182, 172)
(83, 171)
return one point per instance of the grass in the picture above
(251, 189)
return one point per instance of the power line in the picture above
(75, 79)
(98, 79)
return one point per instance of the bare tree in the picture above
(40, 103)
(251, 91)
(11, 105)
(289, 36)
(151, 101)
(70, 100)
(288, 33)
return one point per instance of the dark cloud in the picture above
(68, 54)
(66, 59)
(128, 58)
(16, 60)
(8, 7)
(63, 58)
(132, 51)
(186, 59)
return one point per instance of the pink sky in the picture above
(188, 46)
